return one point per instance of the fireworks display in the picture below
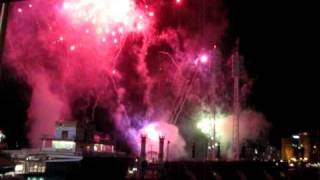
(107, 18)
(130, 67)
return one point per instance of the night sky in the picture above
(276, 41)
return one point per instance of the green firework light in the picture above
(210, 123)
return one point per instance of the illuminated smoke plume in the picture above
(45, 109)
(171, 133)
(253, 126)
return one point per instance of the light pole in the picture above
(236, 72)
(3, 26)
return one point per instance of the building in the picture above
(66, 147)
(65, 138)
(301, 147)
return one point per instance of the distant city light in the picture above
(296, 137)
(2, 136)
(66, 145)
(293, 159)
(18, 168)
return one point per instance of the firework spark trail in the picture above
(183, 97)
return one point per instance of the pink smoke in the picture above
(45, 109)
(253, 126)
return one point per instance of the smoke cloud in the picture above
(253, 126)
(45, 109)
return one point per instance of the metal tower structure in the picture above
(236, 101)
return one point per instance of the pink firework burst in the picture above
(103, 15)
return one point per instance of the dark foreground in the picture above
(117, 168)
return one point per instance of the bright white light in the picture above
(120, 30)
(18, 168)
(67, 145)
(103, 13)
(72, 48)
(151, 14)
(208, 125)
(140, 26)
(293, 159)
(296, 137)
(151, 132)
(205, 126)
(2, 136)
(203, 58)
